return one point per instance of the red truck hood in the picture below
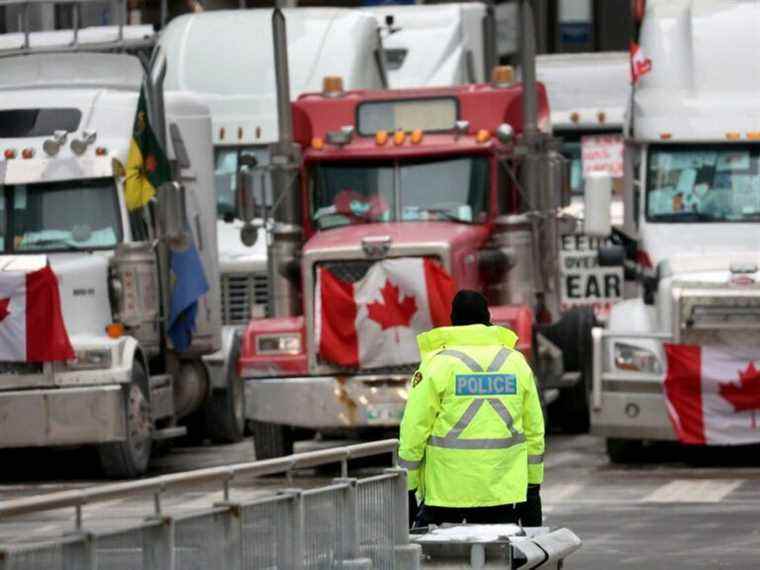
(417, 234)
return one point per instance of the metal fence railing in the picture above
(349, 523)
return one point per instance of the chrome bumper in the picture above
(624, 405)
(322, 402)
(66, 416)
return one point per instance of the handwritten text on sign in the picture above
(603, 154)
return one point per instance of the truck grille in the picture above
(348, 271)
(18, 368)
(240, 293)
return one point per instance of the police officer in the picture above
(472, 436)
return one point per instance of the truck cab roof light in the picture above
(222, 132)
(341, 137)
(332, 86)
(601, 117)
(399, 137)
(733, 136)
(101, 151)
(115, 330)
(416, 136)
(505, 133)
(9, 153)
(666, 136)
(27, 153)
(753, 135)
(575, 117)
(317, 143)
(483, 136)
(502, 76)
(381, 137)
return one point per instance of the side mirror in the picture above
(559, 179)
(597, 220)
(245, 199)
(611, 256)
(172, 215)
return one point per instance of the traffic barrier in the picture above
(356, 523)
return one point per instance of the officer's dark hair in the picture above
(469, 308)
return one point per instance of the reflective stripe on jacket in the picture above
(472, 434)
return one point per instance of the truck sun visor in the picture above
(428, 114)
(22, 123)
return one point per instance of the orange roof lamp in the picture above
(381, 137)
(332, 86)
(399, 137)
(416, 137)
(502, 76)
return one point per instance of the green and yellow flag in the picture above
(147, 165)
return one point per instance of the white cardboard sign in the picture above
(602, 154)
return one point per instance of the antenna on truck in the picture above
(78, 38)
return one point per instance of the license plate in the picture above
(384, 413)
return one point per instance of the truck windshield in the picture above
(60, 216)
(703, 183)
(414, 190)
(226, 163)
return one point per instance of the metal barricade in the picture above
(349, 523)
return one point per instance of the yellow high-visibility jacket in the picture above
(472, 434)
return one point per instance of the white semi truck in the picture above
(66, 125)
(437, 45)
(213, 55)
(589, 95)
(692, 204)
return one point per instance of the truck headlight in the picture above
(90, 360)
(637, 359)
(286, 343)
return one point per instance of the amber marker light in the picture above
(399, 137)
(416, 137)
(115, 330)
(666, 136)
(753, 135)
(601, 117)
(27, 153)
(221, 133)
(317, 143)
(381, 137)
(733, 136)
(483, 136)
(575, 117)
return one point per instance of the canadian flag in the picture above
(31, 323)
(640, 64)
(375, 321)
(713, 393)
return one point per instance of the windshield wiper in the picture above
(685, 217)
(54, 242)
(445, 213)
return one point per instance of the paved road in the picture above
(670, 513)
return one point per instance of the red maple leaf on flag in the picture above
(4, 312)
(744, 396)
(392, 311)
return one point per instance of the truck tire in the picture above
(225, 409)
(271, 440)
(625, 450)
(573, 335)
(129, 458)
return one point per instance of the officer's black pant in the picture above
(528, 513)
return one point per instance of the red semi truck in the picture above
(386, 202)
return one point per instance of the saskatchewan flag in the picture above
(147, 165)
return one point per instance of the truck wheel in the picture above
(225, 409)
(625, 450)
(573, 335)
(129, 458)
(271, 440)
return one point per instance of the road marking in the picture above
(558, 493)
(693, 491)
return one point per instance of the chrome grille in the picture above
(348, 271)
(240, 293)
(20, 368)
